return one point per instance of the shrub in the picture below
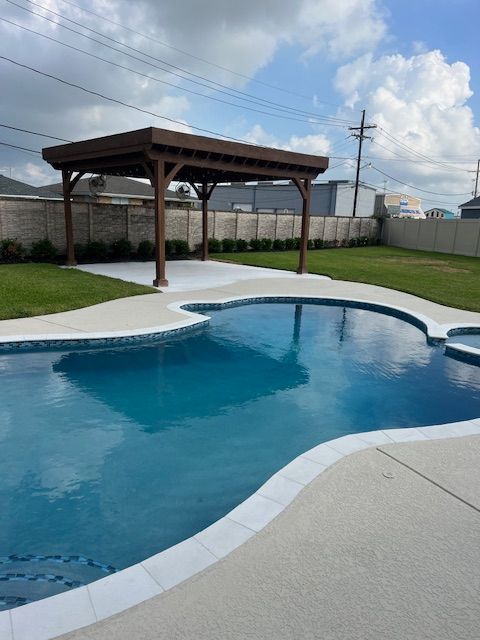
(228, 245)
(241, 245)
(97, 250)
(310, 244)
(278, 245)
(80, 251)
(11, 250)
(214, 245)
(363, 241)
(121, 249)
(43, 251)
(169, 247)
(266, 244)
(318, 243)
(181, 247)
(255, 244)
(146, 250)
(353, 242)
(290, 244)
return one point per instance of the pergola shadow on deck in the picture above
(162, 156)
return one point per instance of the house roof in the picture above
(474, 203)
(116, 186)
(445, 211)
(11, 188)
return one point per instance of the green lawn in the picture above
(450, 280)
(36, 289)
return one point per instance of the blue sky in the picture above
(412, 65)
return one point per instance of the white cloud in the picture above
(317, 144)
(421, 101)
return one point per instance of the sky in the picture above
(293, 75)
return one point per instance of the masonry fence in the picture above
(32, 220)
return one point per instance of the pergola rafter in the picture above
(162, 156)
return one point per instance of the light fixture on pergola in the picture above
(162, 156)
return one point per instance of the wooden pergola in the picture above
(162, 156)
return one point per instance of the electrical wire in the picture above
(411, 186)
(194, 57)
(248, 97)
(33, 133)
(14, 146)
(170, 84)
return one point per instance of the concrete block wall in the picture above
(31, 220)
(460, 236)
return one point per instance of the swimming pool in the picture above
(112, 454)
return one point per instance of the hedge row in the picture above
(290, 244)
(97, 251)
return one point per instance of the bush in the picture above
(255, 244)
(97, 250)
(318, 243)
(363, 241)
(290, 244)
(121, 249)
(181, 247)
(241, 245)
(169, 248)
(266, 244)
(11, 250)
(278, 245)
(310, 244)
(80, 251)
(228, 245)
(146, 250)
(43, 251)
(353, 242)
(214, 245)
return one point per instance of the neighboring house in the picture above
(119, 190)
(10, 188)
(470, 209)
(445, 214)
(332, 198)
(398, 205)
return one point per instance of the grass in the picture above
(36, 289)
(447, 279)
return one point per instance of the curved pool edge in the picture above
(48, 618)
(57, 615)
(190, 319)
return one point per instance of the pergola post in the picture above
(68, 186)
(159, 186)
(204, 195)
(304, 186)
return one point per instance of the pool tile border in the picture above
(48, 618)
(66, 612)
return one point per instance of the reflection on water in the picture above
(117, 453)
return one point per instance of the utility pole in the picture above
(476, 180)
(360, 138)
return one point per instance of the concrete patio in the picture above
(385, 544)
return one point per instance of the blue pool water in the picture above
(115, 453)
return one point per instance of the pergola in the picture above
(162, 156)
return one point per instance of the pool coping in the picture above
(48, 618)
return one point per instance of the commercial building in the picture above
(398, 205)
(332, 198)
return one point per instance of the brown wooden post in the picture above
(159, 187)
(304, 186)
(67, 207)
(204, 221)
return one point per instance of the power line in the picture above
(14, 146)
(191, 55)
(430, 162)
(149, 77)
(240, 96)
(435, 193)
(34, 133)
(120, 102)
(396, 193)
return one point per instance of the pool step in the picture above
(26, 578)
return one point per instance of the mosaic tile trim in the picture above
(81, 560)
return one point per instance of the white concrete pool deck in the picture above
(383, 544)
